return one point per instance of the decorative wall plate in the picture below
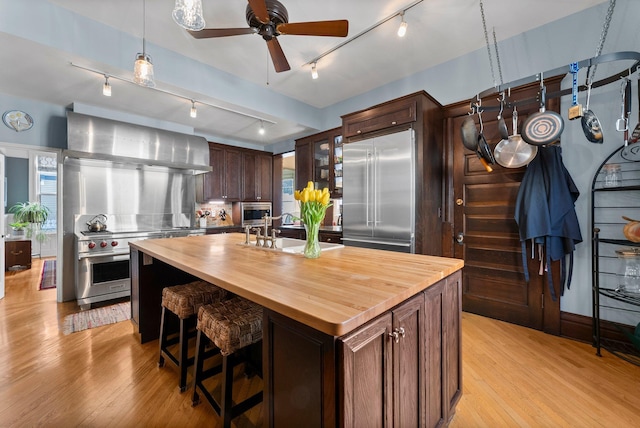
(17, 120)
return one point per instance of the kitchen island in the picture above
(358, 337)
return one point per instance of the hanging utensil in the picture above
(632, 151)
(514, 152)
(543, 127)
(484, 152)
(470, 138)
(502, 126)
(590, 123)
(575, 111)
(635, 135)
(622, 124)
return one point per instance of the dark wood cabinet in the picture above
(380, 117)
(423, 114)
(402, 368)
(237, 175)
(319, 159)
(384, 369)
(17, 253)
(257, 176)
(225, 179)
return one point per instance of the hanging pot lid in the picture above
(543, 127)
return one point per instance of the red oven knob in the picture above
(92, 245)
(114, 243)
(103, 244)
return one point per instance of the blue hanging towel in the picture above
(546, 216)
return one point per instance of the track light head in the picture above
(106, 88)
(314, 70)
(402, 30)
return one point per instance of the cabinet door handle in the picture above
(397, 333)
(16, 253)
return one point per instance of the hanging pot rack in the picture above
(610, 57)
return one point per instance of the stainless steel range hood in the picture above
(98, 138)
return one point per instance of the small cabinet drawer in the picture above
(334, 238)
(17, 253)
(378, 118)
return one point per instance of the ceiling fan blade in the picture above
(277, 55)
(338, 28)
(221, 32)
(259, 8)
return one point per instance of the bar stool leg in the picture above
(183, 357)
(163, 337)
(227, 386)
(197, 369)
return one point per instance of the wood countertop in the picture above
(340, 291)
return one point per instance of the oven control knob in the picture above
(92, 245)
(114, 243)
(103, 244)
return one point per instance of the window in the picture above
(46, 187)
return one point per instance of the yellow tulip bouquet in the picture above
(313, 207)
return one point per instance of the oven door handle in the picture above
(111, 257)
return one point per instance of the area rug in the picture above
(48, 278)
(96, 317)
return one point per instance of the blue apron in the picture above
(545, 213)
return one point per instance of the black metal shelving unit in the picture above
(608, 205)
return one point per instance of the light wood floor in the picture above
(512, 376)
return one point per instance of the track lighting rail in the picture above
(192, 100)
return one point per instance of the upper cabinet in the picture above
(257, 171)
(319, 159)
(381, 117)
(237, 175)
(225, 179)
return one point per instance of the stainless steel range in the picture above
(142, 182)
(102, 262)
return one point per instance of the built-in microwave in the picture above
(253, 213)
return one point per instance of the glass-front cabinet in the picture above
(319, 159)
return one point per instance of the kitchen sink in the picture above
(294, 246)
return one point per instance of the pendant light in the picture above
(314, 70)
(143, 68)
(106, 88)
(261, 130)
(194, 112)
(188, 14)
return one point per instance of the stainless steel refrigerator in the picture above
(379, 192)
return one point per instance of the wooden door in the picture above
(233, 175)
(408, 363)
(367, 374)
(483, 213)
(264, 177)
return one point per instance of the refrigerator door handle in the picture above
(367, 179)
(376, 208)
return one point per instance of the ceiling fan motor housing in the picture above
(277, 15)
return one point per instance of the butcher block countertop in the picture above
(340, 291)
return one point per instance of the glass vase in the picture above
(312, 247)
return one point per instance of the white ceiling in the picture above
(438, 31)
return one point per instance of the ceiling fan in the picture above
(269, 18)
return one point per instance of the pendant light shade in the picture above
(188, 14)
(143, 68)
(143, 71)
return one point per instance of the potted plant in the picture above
(30, 215)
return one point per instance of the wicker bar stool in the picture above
(183, 301)
(232, 326)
